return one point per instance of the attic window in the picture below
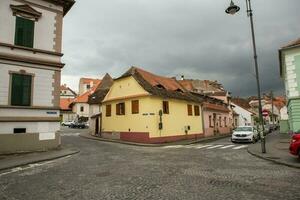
(160, 86)
(178, 90)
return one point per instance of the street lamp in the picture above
(232, 9)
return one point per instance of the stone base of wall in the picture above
(143, 137)
(26, 142)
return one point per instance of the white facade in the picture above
(77, 109)
(283, 113)
(245, 117)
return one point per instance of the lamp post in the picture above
(232, 9)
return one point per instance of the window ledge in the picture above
(33, 50)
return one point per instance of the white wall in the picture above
(245, 117)
(283, 113)
(31, 127)
(44, 27)
(76, 109)
(42, 89)
(8, 112)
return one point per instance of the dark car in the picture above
(78, 125)
(295, 144)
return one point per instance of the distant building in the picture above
(66, 92)
(95, 101)
(30, 70)
(244, 116)
(86, 84)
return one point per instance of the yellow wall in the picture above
(147, 120)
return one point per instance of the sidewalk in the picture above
(277, 150)
(182, 142)
(17, 160)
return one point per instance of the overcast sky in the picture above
(194, 38)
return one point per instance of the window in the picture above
(190, 110)
(197, 110)
(220, 121)
(210, 124)
(21, 90)
(120, 109)
(24, 33)
(225, 121)
(135, 106)
(81, 108)
(19, 130)
(108, 110)
(88, 86)
(165, 107)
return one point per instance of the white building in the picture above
(30, 70)
(245, 117)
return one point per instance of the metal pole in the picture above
(262, 135)
(272, 108)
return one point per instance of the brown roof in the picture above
(211, 106)
(89, 80)
(101, 91)
(65, 103)
(244, 103)
(85, 96)
(166, 87)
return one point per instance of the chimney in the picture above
(182, 77)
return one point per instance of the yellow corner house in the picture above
(146, 108)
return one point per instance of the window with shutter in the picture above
(120, 109)
(135, 106)
(197, 110)
(21, 90)
(165, 107)
(190, 110)
(108, 110)
(24, 33)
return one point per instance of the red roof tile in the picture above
(85, 96)
(64, 103)
(155, 80)
(211, 106)
(89, 80)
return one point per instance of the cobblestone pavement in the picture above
(116, 171)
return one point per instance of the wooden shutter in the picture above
(117, 109)
(190, 110)
(21, 90)
(197, 110)
(24, 33)
(165, 107)
(122, 108)
(108, 110)
(135, 106)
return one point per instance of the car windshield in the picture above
(243, 129)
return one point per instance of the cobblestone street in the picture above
(115, 171)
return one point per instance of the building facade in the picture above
(289, 58)
(30, 68)
(143, 107)
(86, 84)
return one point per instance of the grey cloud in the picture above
(174, 37)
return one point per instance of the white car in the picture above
(67, 123)
(244, 134)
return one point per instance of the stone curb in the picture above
(272, 160)
(68, 152)
(88, 136)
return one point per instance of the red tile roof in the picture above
(89, 80)
(85, 96)
(155, 80)
(211, 106)
(64, 103)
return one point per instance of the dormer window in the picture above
(179, 90)
(160, 86)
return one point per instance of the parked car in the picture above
(78, 125)
(295, 144)
(67, 123)
(244, 134)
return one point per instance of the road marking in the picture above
(228, 146)
(203, 146)
(240, 147)
(216, 146)
(69, 134)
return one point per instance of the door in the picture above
(97, 126)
